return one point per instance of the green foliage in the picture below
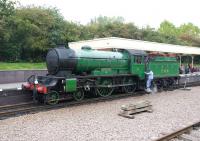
(21, 66)
(189, 29)
(103, 20)
(6, 11)
(167, 28)
(36, 30)
(188, 33)
(6, 8)
(30, 32)
(107, 27)
(26, 33)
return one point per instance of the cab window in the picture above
(138, 59)
(146, 59)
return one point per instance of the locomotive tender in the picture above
(87, 71)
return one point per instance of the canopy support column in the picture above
(180, 60)
(192, 61)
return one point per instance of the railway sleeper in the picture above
(188, 137)
(195, 133)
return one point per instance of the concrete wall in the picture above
(18, 75)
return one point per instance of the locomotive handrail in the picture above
(29, 79)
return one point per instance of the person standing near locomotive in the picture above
(149, 80)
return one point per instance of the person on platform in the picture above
(182, 69)
(149, 74)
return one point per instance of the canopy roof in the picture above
(122, 43)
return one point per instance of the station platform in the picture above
(11, 85)
(189, 78)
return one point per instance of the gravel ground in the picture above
(100, 121)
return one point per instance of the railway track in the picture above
(30, 107)
(24, 108)
(189, 133)
(14, 97)
(14, 110)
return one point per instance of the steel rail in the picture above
(19, 110)
(14, 106)
(179, 132)
(22, 108)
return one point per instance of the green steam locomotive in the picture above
(84, 72)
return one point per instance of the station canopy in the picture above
(122, 43)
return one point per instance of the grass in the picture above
(21, 66)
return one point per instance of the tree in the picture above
(189, 29)
(35, 30)
(6, 11)
(190, 34)
(167, 28)
(26, 33)
(6, 8)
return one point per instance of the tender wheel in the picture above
(166, 85)
(79, 95)
(171, 84)
(159, 85)
(105, 88)
(52, 98)
(130, 85)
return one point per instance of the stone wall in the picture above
(18, 75)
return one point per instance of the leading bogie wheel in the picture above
(52, 98)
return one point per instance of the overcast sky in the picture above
(141, 12)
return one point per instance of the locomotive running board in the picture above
(128, 111)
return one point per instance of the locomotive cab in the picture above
(138, 63)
